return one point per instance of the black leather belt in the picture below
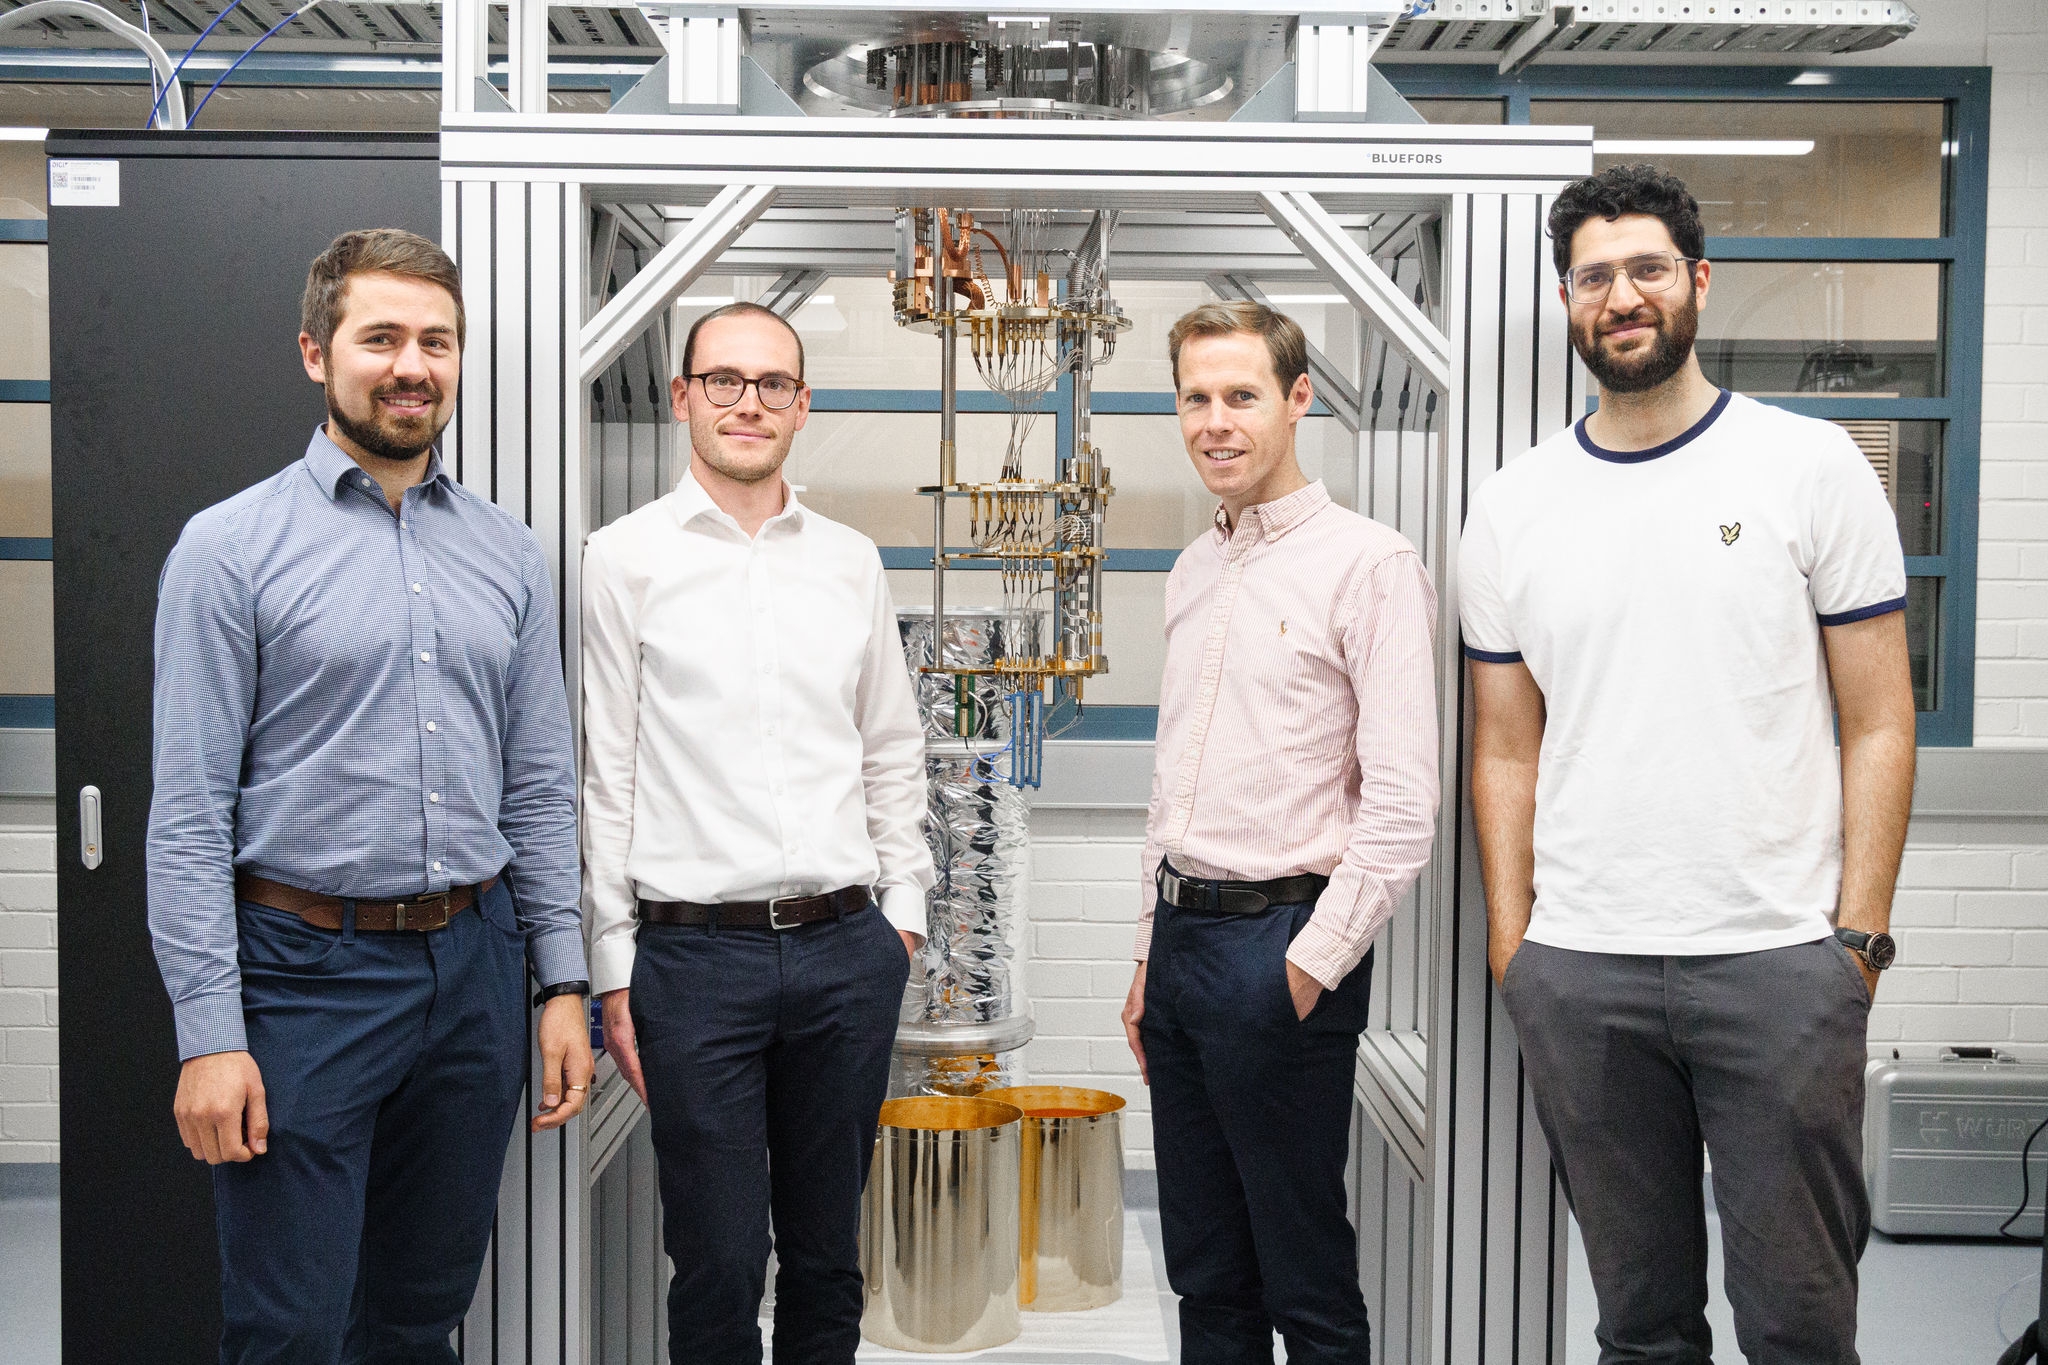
(784, 912)
(1204, 896)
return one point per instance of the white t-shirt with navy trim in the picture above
(1669, 603)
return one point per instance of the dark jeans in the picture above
(766, 1056)
(392, 1068)
(1634, 1062)
(1251, 1118)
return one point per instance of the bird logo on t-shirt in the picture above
(1729, 533)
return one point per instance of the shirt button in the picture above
(366, 481)
(430, 727)
(415, 587)
(435, 797)
(437, 867)
(770, 732)
(425, 657)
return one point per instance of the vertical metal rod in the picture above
(949, 404)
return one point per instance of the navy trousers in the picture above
(766, 1056)
(392, 1067)
(1251, 1122)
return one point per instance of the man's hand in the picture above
(220, 1110)
(911, 942)
(1134, 1010)
(1305, 989)
(565, 1065)
(619, 1043)
(1869, 976)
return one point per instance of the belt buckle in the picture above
(1169, 887)
(774, 903)
(399, 908)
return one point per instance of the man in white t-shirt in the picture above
(1687, 887)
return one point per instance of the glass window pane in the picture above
(1907, 457)
(24, 311)
(864, 468)
(28, 664)
(1824, 327)
(1461, 111)
(1838, 169)
(25, 469)
(24, 180)
(1923, 640)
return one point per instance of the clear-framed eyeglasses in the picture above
(725, 388)
(1653, 272)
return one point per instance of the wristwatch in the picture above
(547, 993)
(1877, 950)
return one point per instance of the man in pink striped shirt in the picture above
(1293, 800)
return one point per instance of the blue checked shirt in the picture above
(357, 703)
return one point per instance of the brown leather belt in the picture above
(324, 912)
(784, 912)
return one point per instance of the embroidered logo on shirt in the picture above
(1729, 533)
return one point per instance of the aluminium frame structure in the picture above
(1462, 1228)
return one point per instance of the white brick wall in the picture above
(1083, 910)
(28, 983)
(1972, 925)
(2012, 566)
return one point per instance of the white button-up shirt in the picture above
(749, 729)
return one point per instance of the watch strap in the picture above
(547, 993)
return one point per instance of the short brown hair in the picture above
(380, 251)
(1285, 342)
(739, 309)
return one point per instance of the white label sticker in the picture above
(85, 184)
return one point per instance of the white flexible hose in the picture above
(173, 112)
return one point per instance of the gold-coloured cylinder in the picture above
(938, 1244)
(1070, 1219)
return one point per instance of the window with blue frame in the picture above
(1845, 216)
(27, 662)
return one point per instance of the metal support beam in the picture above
(526, 25)
(1323, 240)
(1531, 42)
(465, 60)
(1336, 390)
(791, 291)
(605, 337)
(703, 56)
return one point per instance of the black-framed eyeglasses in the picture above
(726, 387)
(1653, 272)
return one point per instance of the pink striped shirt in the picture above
(1297, 718)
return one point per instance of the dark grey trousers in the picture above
(1634, 1062)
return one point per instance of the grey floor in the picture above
(1924, 1302)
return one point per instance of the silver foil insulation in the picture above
(965, 1014)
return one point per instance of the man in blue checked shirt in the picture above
(362, 833)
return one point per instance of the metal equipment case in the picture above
(1942, 1140)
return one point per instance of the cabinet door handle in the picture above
(91, 851)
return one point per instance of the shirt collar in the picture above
(692, 502)
(1272, 520)
(330, 464)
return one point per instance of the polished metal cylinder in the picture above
(938, 1228)
(1070, 1190)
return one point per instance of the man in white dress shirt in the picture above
(753, 784)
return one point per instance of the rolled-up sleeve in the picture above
(204, 692)
(1389, 649)
(537, 814)
(892, 770)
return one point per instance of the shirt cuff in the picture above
(210, 1023)
(1322, 954)
(611, 961)
(557, 955)
(904, 907)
